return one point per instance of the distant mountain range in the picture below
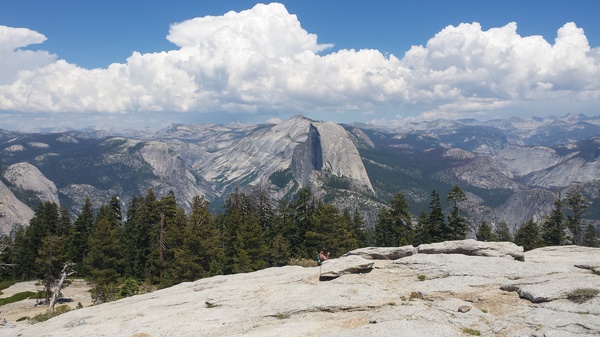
(512, 169)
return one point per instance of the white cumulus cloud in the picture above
(262, 60)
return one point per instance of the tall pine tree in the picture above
(553, 228)
(528, 235)
(576, 204)
(457, 224)
(436, 225)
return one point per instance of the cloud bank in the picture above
(262, 61)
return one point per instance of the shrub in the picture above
(17, 297)
(59, 310)
(421, 277)
(210, 304)
(103, 293)
(5, 284)
(302, 262)
(581, 295)
(40, 318)
(472, 331)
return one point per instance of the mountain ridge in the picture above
(353, 166)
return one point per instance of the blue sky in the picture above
(150, 63)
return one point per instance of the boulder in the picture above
(334, 268)
(383, 253)
(474, 248)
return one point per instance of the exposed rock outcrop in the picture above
(474, 248)
(418, 295)
(13, 212)
(353, 264)
(27, 177)
(383, 253)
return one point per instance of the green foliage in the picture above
(105, 256)
(17, 297)
(576, 205)
(129, 288)
(484, 233)
(421, 277)
(281, 178)
(394, 226)
(581, 295)
(502, 232)
(528, 236)
(78, 241)
(590, 237)
(342, 183)
(553, 228)
(472, 331)
(59, 310)
(6, 284)
(103, 293)
(457, 226)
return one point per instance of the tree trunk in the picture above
(63, 276)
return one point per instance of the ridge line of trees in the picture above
(157, 244)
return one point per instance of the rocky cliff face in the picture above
(13, 212)
(511, 169)
(437, 292)
(28, 178)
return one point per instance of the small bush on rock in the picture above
(472, 331)
(581, 295)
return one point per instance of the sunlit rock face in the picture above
(434, 294)
(13, 212)
(27, 177)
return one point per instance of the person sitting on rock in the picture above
(323, 257)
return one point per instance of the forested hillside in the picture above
(157, 244)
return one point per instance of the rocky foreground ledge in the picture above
(396, 291)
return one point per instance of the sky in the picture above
(68, 64)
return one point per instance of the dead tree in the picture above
(66, 271)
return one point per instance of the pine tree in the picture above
(359, 229)
(105, 256)
(244, 245)
(23, 256)
(279, 251)
(484, 233)
(331, 231)
(394, 225)
(576, 204)
(554, 226)
(502, 232)
(139, 235)
(402, 220)
(303, 210)
(52, 255)
(384, 235)
(528, 236)
(202, 241)
(435, 221)
(590, 237)
(78, 243)
(457, 225)
(422, 232)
